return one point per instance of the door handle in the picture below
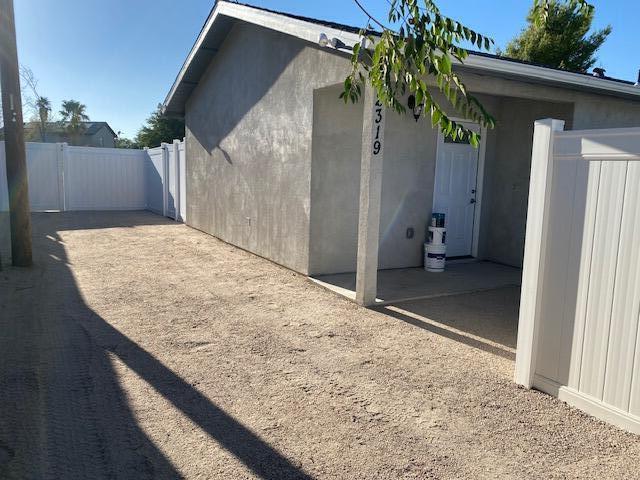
(473, 200)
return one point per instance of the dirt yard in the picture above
(140, 348)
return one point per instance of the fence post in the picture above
(61, 157)
(146, 177)
(176, 178)
(186, 192)
(165, 183)
(535, 249)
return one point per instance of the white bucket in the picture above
(437, 236)
(434, 257)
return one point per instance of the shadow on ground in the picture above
(64, 414)
(485, 320)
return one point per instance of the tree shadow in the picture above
(64, 413)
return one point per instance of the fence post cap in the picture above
(554, 124)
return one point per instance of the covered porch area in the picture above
(408, 284)
(377, 177)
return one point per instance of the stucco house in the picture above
(275, 159)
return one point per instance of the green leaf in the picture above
(425, 45)
(445, 64)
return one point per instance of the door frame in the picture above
(482, 151)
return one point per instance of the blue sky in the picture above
(120, 57)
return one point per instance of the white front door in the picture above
(455, 192)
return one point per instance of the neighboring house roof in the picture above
(224, 14)
(90, 128)
(93, 128)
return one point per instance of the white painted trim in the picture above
(601, 132)
(475, 246)
(588, 404)
(482, 151)
(593, 145)
(508, 67)
(610, 157)
(535, 249)
(298, 28)
(196, 46)
(310, 32)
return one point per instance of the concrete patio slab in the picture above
(415, 283)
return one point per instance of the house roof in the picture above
(94, 127)
(90, 128)
(225, 13)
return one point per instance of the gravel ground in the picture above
(140, 348)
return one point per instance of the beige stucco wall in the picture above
(335, 183)
(507, 171)
(249, 141)
(274, 156)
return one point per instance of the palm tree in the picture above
(44, 108)
(73, 114)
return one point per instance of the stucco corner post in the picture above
(373, 122)
(535, 249)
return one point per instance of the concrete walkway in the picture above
(404, 284)
(140, 348)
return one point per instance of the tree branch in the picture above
(371, 17)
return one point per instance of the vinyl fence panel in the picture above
(43, 163)
(154, 170)
(583, 327)
(166, 180)
(104, 179)
(173, 161)
(86, 178)
(45, 188)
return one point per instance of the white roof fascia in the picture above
(298, 28)
(310, 32)
(548, 74)
(196, 46)
(292, 26)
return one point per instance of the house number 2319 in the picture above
(377, 125)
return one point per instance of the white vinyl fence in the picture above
(64, 178)
(166, 178)
(578, 333)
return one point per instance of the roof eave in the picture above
(505, 67)
(290, 26)
(310, 32)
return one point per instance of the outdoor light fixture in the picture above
(324, 40)
(334, 42)
(417, 109)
